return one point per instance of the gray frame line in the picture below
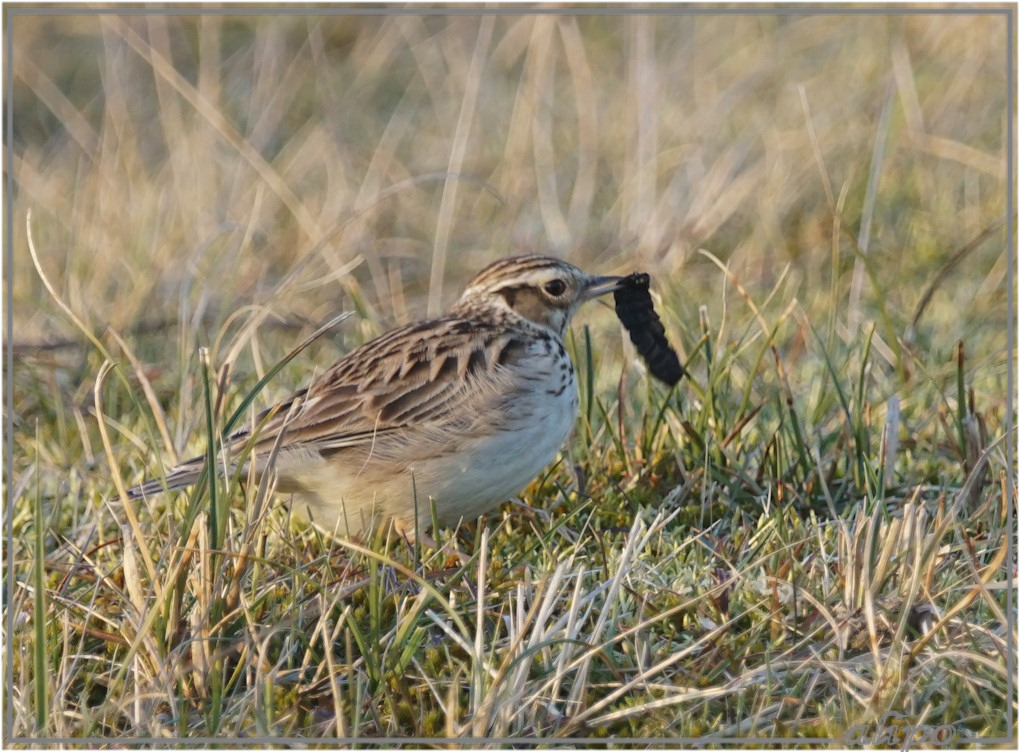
(9, 369)
(1008, 11)
(587, 10)
(1010, 359)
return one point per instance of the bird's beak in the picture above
(600, 286)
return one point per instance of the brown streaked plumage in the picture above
(464, 409)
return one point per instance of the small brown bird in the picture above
(464, 410)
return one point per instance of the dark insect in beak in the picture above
(637, 314)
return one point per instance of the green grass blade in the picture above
(216, 514)
(235, 416)
(39, 648)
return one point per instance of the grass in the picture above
(809, 532)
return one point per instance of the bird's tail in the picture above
(180, 477)
(187, 473)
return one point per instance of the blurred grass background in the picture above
(190, 174)
(171, 158)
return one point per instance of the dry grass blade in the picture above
(478, 684)
(129, 512)
(943, 272)
(150, 396)
(765, 330)
(950, 149)
(328, 640)
(457, 150)
(585, 99)
(53, 293)
(868, 211)
(815, 148)
(576, 722)
(543, 64)
(76, 124)
(680, 696)
(595, 636)
(993, 568)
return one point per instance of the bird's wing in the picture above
(443, 371)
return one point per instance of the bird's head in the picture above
(542, 289)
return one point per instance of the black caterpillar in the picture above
(637, 314)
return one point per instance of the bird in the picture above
(461, 411)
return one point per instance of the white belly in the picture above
(497, 467)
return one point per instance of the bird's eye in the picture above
(556, 287)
